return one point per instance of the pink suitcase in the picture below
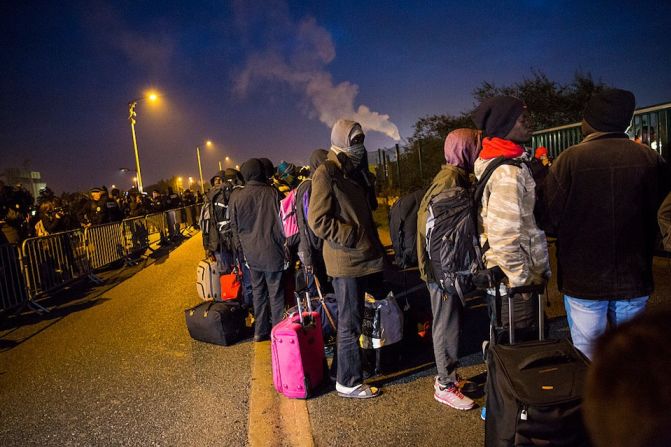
(298, 353)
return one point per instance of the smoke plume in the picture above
(298, 56)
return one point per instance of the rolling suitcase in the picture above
(218, 323)
(534, 390)
(298, 358)
(208, 282)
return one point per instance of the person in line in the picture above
(664, 220)
(340, 214)
(310, 246)
(461, 150)
(602, 197)
(517, 250)
(636, 354)
(257, 233)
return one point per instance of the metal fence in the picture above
(44, 264)
(12, 284)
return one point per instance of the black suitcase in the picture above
(221, 323)
(534, 392)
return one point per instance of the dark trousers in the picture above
(268, 301)
(349, 294)
(446, 326)
(525, 318)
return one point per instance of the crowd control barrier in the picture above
(42, 265)
(105, 244)
(55, 260)
(13, 291)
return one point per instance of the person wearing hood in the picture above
(310, 246)
(340, 213)
(461, 151)
(268, 169)
(258, 235)
(602, 197)
(518, 249)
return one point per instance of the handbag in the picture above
(231, 285)
(382, 322)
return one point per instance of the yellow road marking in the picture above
(274, 420)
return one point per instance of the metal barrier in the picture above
(53, 261)
(13, 290)
(135, 235)
(104, 244)
(43, 264)
(156, 227)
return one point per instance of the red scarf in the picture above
(498, 147)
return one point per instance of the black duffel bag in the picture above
(221, 323)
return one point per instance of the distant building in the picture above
(31, 180)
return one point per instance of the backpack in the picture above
(288, 214)
(220, 214)
(403, 228)
(452, 239)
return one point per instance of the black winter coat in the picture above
(257, 231)
(602, 197)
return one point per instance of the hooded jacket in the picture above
(602, 197)
(507, 223)
(255, 220)
(340, 214)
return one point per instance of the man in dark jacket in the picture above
(602, 197)
(340, 214)
(257, 233)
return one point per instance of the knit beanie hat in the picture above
(252, 169)
(268, 167)
(610, 110)
(496, 116)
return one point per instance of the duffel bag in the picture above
(221, 323)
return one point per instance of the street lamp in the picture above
(126, 170)
(132, 115)
(208, 143)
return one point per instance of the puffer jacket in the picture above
(340, 214)
(507, 223)
(448, 177)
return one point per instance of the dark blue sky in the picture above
(263, 78)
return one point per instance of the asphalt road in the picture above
(114, 365)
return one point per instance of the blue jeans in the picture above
(587, 319)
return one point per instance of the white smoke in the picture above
(302, 65)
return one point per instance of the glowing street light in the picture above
(208, 143)
(132, 115)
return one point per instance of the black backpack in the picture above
(220, 214)
(452, 241)
(403, 228)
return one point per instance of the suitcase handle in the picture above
(543, 357)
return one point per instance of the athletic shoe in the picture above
(451, 396)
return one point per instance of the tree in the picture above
(549, 104)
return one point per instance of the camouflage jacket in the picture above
(507, 223)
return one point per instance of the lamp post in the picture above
(132, 115)
(125, 170)
(208, 143)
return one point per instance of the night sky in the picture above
(264, 78)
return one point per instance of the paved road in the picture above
(115, 366)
